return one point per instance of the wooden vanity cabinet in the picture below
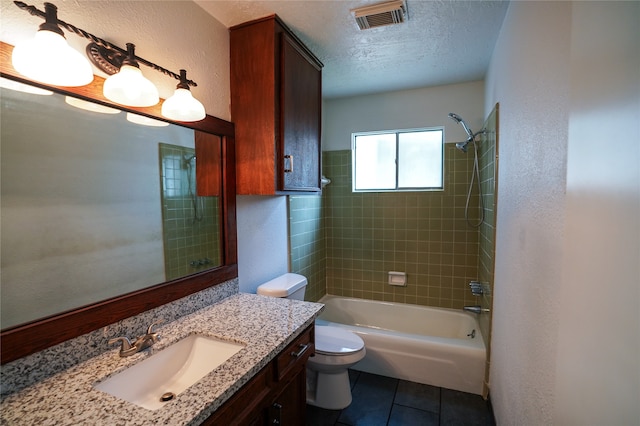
(276, 395)
(276, 106)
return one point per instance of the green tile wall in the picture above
(307, 243)
(421, 233)
(191, 242)
(488, 176)
(346, 243)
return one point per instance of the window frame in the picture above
(397, 133)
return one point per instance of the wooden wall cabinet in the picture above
(276, 106)
(277, 395)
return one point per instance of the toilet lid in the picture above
(337, 341)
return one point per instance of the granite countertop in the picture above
(265, 325)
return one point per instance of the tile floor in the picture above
(379, 400)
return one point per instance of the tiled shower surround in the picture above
(487, 150)
(308, 243)
(366, 235)
(190, 223)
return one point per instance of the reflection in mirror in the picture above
(95, 206)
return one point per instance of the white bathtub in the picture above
(411, 342)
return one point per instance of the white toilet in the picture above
(337, 349)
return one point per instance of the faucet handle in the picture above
(153, 334)
(153, 324)
(126, 343)
(477, 289)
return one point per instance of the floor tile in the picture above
(353, 377)
(320, 417)
(407, 416)
(384, 401)
(464, 409)
(372, 401)
(418, 395)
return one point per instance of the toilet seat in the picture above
(336, 341)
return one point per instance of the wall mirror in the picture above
(103, 218)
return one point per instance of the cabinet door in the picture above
(299, 165)
(289, 408)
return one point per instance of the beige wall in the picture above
(566, 318)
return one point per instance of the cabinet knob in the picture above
(290, 158)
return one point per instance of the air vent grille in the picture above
(380, 14)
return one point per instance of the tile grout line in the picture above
(440, 406)
(393, 401)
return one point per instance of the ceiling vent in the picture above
(378, 15)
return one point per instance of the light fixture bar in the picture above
(97, 40)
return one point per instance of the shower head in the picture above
(455, 117)
(462, 146)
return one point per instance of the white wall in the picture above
(262, 240)
(405, 109)
(528, 75)
(598, 363)
(558, 315)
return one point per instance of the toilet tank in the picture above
(290, 286)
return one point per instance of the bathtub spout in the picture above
(476, 309)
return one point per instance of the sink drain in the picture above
(167, 396)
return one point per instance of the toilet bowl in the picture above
(336, 350)
(327, 371)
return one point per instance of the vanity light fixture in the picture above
(145, 121)
(125, 85)
(182, 106)
(48, 58)
(21, 87)
(128, 86)
(89, 106)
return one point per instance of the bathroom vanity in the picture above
(263, 382)
(277, 394)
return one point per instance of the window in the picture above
(398, 160)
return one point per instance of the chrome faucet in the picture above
(140, 344)
(476, 309)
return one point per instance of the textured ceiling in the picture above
(443, 42)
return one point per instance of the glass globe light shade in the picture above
(47, 58)
(21, 87)
(145, 121)
(130, 87)
(182, 106)
(89, 106)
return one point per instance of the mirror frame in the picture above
(25, 339)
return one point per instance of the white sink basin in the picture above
(170, 371)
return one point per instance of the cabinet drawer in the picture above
(296, 354)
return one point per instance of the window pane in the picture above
(375, 161)
(420, 159)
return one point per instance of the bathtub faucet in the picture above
(476, 288)
(476, 309)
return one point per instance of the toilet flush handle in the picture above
(303, 349)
